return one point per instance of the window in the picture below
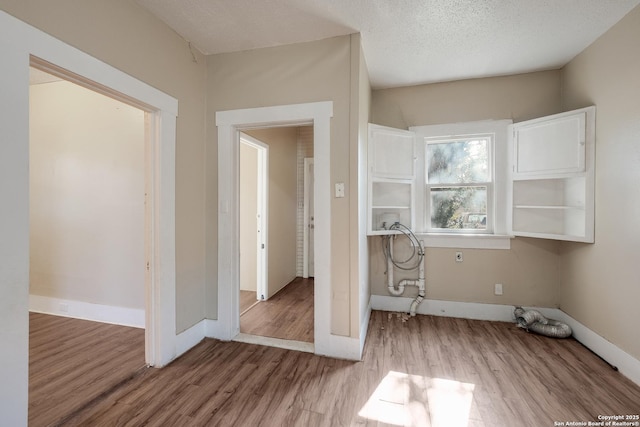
(459, 184)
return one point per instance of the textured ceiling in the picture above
(406, 42)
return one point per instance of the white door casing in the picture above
(22, 45)
(229, 123)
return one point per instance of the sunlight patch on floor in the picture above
(412, 400)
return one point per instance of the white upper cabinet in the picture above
(391, 152)
(544, 175)
(391, 160)
(552, 176)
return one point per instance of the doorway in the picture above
(274, 301)
(87, 203)
(31, 46)
(87, 245)
(158, 187)
(230, 124)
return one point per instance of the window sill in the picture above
(465, 241)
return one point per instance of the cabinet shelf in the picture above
(553, 176)
(390, 207)
(555, 236)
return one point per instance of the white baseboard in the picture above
(364, 328)
(465, 310)
(87, 311)
(187, 339)
(340, 347)
(612, 354)
(628, 365)
(216, 329)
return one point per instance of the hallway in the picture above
(287, 315)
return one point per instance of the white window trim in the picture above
(499, 238)
(489, 184)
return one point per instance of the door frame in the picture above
(19, 44)
(152, 194)
(262, 248)
(308, 161)
(230, 124)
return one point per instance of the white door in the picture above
(249, 239)
(309, 223)
(254, 202)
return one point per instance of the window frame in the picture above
(489, 184)
(498, 201)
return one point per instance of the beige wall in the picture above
(518, 97)
(529, 270)
(360, 114)
(299, 73)
(599, 283)
(248, 217)
(283, 202)
(129, 38)
(86, 197)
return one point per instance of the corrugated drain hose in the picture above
(533, 320)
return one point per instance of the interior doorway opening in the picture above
(273, 200)
(87, 243)
(154, 204)
(230, 123)
(87, 203)
(31, 46)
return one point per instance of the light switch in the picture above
(339, 189)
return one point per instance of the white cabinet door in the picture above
(391, 152)
(391, 198)
(552, 176)
(551, 145)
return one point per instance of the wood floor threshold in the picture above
(250, 307)
(303, 346)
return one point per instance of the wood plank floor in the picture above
(247, 299)
(426, 371)
(72, 362)
(287, 315)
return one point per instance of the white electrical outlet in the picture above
(64, 307)
(497, 289)
(459, 257)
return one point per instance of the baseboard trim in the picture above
(465, 310)
(189, 338)
(364, 328)
(628, 365)
(340, 347)
(123, 316)
(214, 328)
(609, 352)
